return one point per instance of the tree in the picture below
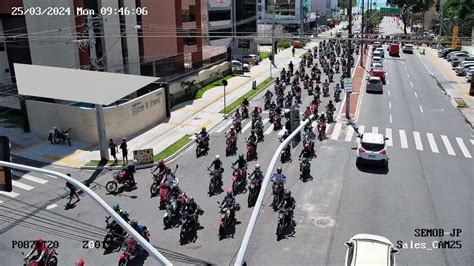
(409, 7)
(345, 3)
(191, 86)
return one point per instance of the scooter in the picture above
(282, 222)
(230, 146)
(215, 181)
(251, 151)
(225, 218)
(305, 168)
(115, 233)
(254, 190)
(238, 179)
(277, 191)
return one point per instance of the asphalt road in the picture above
(39, 210)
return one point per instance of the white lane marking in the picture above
(418, 143)
(21, 185)
(350, 132)
(403, 62)
(336, 131)
(30, 177)
(431, 140)
(52, 206)
(361, 129)
(403, 139)
(1, 202)
(375, 130)
(416, 95)
(9, 194)
(269, 130)
(405, 68)
(387, 81)
(472, 141)
(264, 121)
(249, 124)
(390, 119)
(388, 92)
(408, 75)
(226, 124)
(281, 132)
(421, 109)
(411, 84)
(448, 146)
(390, 105)
(388, 134)
(463, 148)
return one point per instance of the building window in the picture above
(259, 8)
(2, 46)
(188, 15)
(189, 37)
(218, 15)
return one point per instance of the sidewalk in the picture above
(455, 86)
(186, 118)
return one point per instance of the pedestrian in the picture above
(293, 51)
(124, 148)
(113, 149)
(72, 193)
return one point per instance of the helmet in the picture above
(203, 129)
(168, 170)
(257, 166)
(232, 128)
(279, 170)
(190, 200)
(124, 139)
(217, 157)
(80, 262)
(162, 161)
(229, 191)
(306, 145)
(135, 162)
(116, 207)
(287, 192)
(330, 101)
(133, 223)
(241, 156)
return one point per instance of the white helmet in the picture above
(257, 166)
(218, 157)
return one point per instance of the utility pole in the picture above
(349, 59)
(302, 17)
(104, 153)
(362, 36)
(274, 46)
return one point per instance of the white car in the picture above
(381, 50)
(377, 59)
(375, 66)
(368, 249)
(377, 44)
(377, 53)
(372, 148)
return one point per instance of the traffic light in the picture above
(5, 172)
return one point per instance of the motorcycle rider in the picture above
(241, 164)
(257, 175)
(306, 151)
(285, 135)
(237, 115)
(120, 212)
(229, 202)
(231, 135)
(41, 251)
(217, 163)
(256, 112)
(130, 170)
(330, 107)
(252, 140)
(161, 167)
(191, 210)
(268, 95)
(204, 135)
(169, 177)
(139, 228)
(288, 203)
(279, 179)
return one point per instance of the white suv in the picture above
(367, 249)
(372, 148)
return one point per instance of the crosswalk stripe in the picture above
(431, 140)
(448, 146)
(249, 124)
(1, 202)
(350, 132)
(9, 194)
(472, 141)
(388, 134)
(403, 138)
(21, 185)
(375, 130)
(226, 124)
(281, 132)
(361, 129)
(463, 148)
(264, 121)
(336, 131)
(418, 143)
(30, 177)
(269, 130)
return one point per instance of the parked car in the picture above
(378, 72)
(251, 58)
(459, 60)
(382, 51)
(469, 75)
(449, 50)
(368, 249)
(239, 67)
(408, 49)
(374, 84)
(455, 54)
(462, 69)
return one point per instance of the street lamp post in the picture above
(224, 83)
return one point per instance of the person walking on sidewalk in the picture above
(72, 193)
(113, 149)
(293, 51)
(124, 148)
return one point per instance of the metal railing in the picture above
(258, 205)
(155, 253)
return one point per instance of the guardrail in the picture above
(258, 205)
(155, 253)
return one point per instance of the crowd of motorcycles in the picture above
(180, 210)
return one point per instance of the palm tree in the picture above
(191, 86)
(216, 75)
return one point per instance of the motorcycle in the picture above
(266, 105)
(305, 169)
(282, 221)
(238, 179)
(277, 122)
(172, 211)
(251, 151)
(129, 251)
(188, 225)
(326, 91)
(277, 192)
(57, 136)
(330, 116)
(245, 112)
(155, 186)
(286, 155)
(337, 95)
(118, 178)
(226, 219)
(215, 181)
(230, 146)
(166, 193)
(202, 146)
(254, 190)
(321, 131)
(51, 259)
(237, 125)
(115, 233)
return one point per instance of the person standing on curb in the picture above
(124, 148)
(72, 193)
(113, 149)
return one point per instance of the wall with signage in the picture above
(122, 120)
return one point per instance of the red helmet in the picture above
(229, 191)
(80, 262)
(39, 240)
(162, 161)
